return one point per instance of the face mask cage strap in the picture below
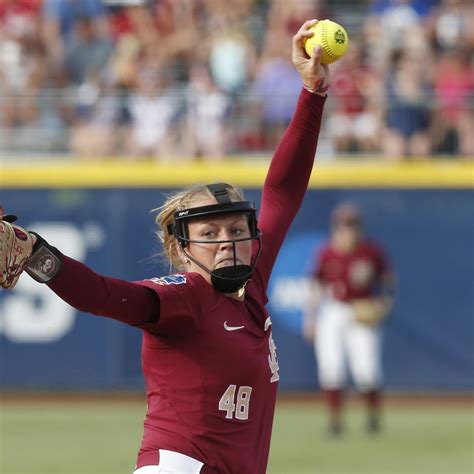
(220, 192)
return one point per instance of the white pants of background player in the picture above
(172, 463)
(342, 343)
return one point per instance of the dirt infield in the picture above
(394, 399)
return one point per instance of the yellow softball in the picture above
(332, 37)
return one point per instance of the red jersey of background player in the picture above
(209, 361)
(351, 275)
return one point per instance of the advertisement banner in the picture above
(427, 234)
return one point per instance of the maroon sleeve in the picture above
(287, 178)
(182, 299)
(90, 292)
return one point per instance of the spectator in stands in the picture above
(153, 111)
(232, 54)
(168, 30)
(409, 101)
(451, 26)
(96, 130)
(86, 66)
(58, 24)
(356, 113)
(25, 114)
(387, 25)
(206, 109)
(452, 36)
(275, 89)
(86, 52)
(454, 117)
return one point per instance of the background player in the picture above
(352, 289)
(208, 356)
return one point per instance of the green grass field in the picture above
(95, 438)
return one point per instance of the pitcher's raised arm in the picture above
(291, 165)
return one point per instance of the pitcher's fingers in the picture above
(316, 57)
(303, 33)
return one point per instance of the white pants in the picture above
(341, 343)
(172, 463)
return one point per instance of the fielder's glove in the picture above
(16, 247)
(370, 311)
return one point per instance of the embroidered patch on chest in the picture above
(169, 280)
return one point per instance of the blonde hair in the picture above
(177, 202)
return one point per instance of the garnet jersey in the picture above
(211, 373)
(209, 361)
(352, 275)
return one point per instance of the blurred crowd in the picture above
(204, 79)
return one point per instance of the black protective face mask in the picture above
(232, 278)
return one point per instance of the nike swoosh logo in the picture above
(232, 328)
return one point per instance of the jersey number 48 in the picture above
(237, 407)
